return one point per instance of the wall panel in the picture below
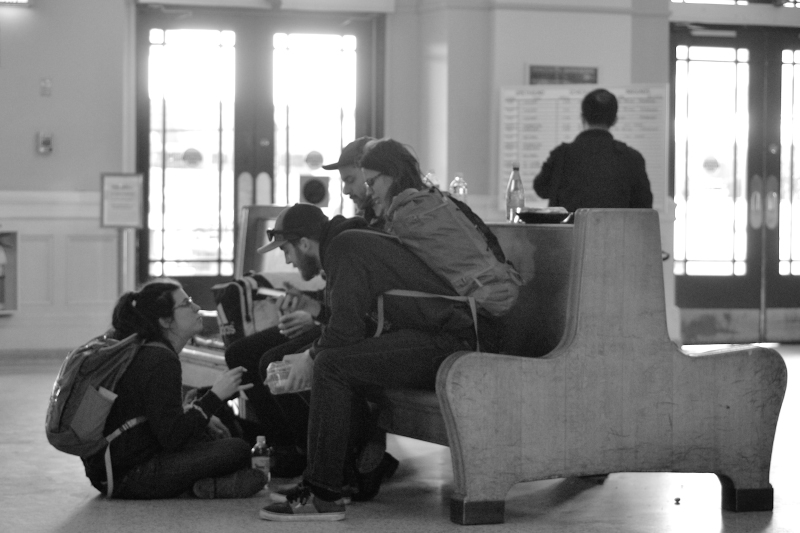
(36, 282)
(91, 269)
(68, 270)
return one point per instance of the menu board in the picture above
(535, 119)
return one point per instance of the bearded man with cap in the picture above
(353, 184)
(284, 424)
(347, 365)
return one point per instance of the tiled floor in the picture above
(43, 491)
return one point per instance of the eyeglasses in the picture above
(371, 181)
(187, 302)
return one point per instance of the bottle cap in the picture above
(261, 439)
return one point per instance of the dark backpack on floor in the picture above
(242, 310)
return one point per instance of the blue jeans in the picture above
(170, 474)
(345, 377)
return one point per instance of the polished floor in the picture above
(42, 490)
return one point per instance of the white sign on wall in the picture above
(535, 119)
(122, 200)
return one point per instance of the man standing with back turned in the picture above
(595, 170)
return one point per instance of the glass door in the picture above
(242, 107)
(736, 234)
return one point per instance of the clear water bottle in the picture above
(260, 456)
(277, 374)
(515, 194)
(430, 179)
(458, 187)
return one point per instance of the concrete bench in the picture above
(594, 385)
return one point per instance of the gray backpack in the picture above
(458, 245)
(83, 394)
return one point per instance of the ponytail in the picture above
(139, 312)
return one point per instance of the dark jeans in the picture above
(170, 474)
(344, 377)
(284, 421)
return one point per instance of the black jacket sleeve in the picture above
(546, 182)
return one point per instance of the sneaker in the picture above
(241, 484)
(302, 506)
(279, 492)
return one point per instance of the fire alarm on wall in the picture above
(44, 142)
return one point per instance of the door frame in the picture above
(370, 29)
(754, 308)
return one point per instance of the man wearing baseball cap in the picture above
(298, 328)
(347, 365)
(353, 181)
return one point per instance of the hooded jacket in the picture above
(361, 265)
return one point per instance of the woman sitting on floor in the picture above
(180, 447)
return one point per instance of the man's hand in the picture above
(296, 300)
(217, 429)
(295, 323)
(301, 373)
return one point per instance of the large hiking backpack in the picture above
(458, 245)
(83, 394)
(244, 306)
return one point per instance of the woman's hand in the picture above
(295, 323)
(217, 429)
(301, 373)
(230, 383)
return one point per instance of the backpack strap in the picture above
(119, 431)
(250, 286)
(419, 294)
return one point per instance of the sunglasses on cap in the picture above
(272, 233)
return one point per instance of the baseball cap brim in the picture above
(334, 166)
(271, 246)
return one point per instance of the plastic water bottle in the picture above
(515, 194)
(260, 456)
(430, 179)
(458, 188)
(277, 374)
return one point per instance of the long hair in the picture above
(139, 311)
(393, 159)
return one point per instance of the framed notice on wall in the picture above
(122, 201)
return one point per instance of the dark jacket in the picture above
(361, 265)
(151, 387)
(594, 171)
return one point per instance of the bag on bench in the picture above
(242, 310)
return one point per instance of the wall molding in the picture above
(365, 6)
(750, 15)
(49, 205)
